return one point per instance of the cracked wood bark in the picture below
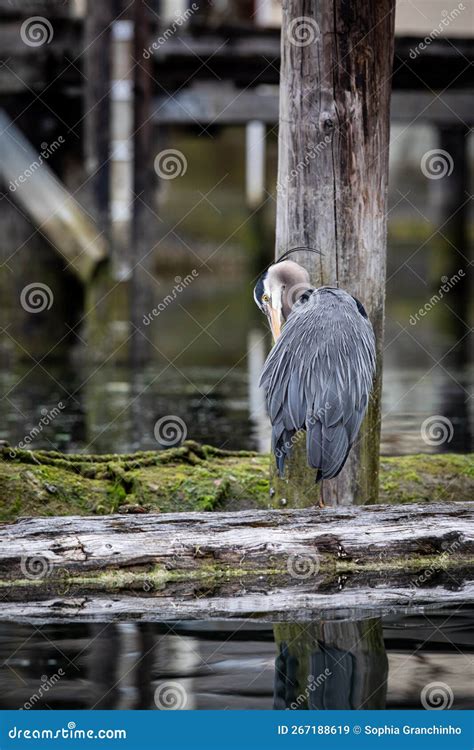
(332, 184)
(227, 564)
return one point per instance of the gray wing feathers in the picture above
(318, 377)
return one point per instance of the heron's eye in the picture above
(265, 298)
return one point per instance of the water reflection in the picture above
(331, 665)
(318, 665)
(114, 409)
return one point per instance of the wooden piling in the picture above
(143, 216)
(332, 185)
(97, 70)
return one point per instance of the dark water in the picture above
(409, 661)
(208, 379)
(205, 349)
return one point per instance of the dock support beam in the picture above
(97, 69)
(332, 185)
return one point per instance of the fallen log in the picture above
(193, 477)
(263, 564)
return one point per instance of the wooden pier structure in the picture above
(114, 77)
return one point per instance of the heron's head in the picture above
(278, 289)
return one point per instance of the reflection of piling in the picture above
(339, 665)
(102, 666)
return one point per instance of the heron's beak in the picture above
(274, 318)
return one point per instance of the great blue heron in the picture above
(319, 374)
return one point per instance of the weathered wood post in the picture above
(335, 86)
(144, 220)
(97, 67)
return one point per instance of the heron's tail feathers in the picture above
(282, 444)
(327, 449)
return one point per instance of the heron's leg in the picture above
(321, 502)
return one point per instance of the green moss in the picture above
(426, 478)
(194, 477)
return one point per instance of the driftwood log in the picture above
(261, 564)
